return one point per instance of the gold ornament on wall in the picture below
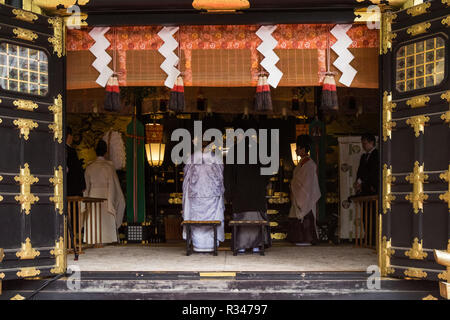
(388, 124)
(26, 105)
(24, 15)
(56, 126)
(28, 272)
(418, 10)
(57, 39)
(446, 196)
(25, 125)
(418, 124)
(417, 102)
(27, 252)
(415, 273)
(417, 179)
(25, 34)
(26, 198)
(418, 28)
(416, 251)
(388, 179)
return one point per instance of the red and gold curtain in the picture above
(221, 56)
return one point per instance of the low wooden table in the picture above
(253, 223)
(188, 223)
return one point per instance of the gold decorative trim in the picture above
(388, 179)
(446, 196)
(418, 124)
(429, 297)
(17, 297)
(273, 224)
(272, 211)
(416, 251)
(419, 9)
(386, 32)
(388, 107)
(417, 178)
(446, 21)
(58, 197)
(26, 198)
(2, 275)
(57, 39)
(26, 105)
(56, 126)
(418, 28)
(446, 117)
(278, 236)
(24, 15)
(415, 273)
(60, 254)
(417, 102)
(447, 2)
(220, 5)
(25, 125)
(25, 34)
(385, 257)
(27, 252)
(28, 272)
(444, 275)
(2, 254)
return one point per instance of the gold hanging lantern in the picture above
(155, 153)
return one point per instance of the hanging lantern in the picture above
(176, 101)
(153, 132)
(155, 153)
(112, 97)
(329, 94)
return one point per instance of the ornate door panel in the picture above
(32, 154)
(416, 140)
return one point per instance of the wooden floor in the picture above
(172, 258)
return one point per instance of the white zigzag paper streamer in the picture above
(98, 49)
(344, 55)
(270, 58)
(170, 44)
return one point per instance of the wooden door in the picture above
(415, 91)
(32, 157)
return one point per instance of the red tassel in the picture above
(329, 94)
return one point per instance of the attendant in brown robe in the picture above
(305, 193)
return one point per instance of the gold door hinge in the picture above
(2, 254)
(28, 272)
(388, 179)
(26, 198)
(58, 197)
(418, 124)
(386, 32)
(418, 28)
(419, 9)
(25, 125)
(26, 105)
(446, 117)
(25, 34)
(415, 273)
(446, 196)
(56, 126)
(27, 252)
(416, 251)
(57, 39)
(388, 124)
(446, 21)
(60, 257)
(417, 102)
(24, 15)
(385, 255)
(417, 178)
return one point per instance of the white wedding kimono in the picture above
(102, 182)
(305, 190)
(203, 198)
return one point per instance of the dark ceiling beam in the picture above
(137, 18)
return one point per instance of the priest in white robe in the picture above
(203, 198)
(305, 193)
(102, 182)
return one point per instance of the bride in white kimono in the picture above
(102, 182)
(203, 198)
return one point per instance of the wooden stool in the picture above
(188, 223)
(254, 223)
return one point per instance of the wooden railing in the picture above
(84, 212)
(366, 210)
